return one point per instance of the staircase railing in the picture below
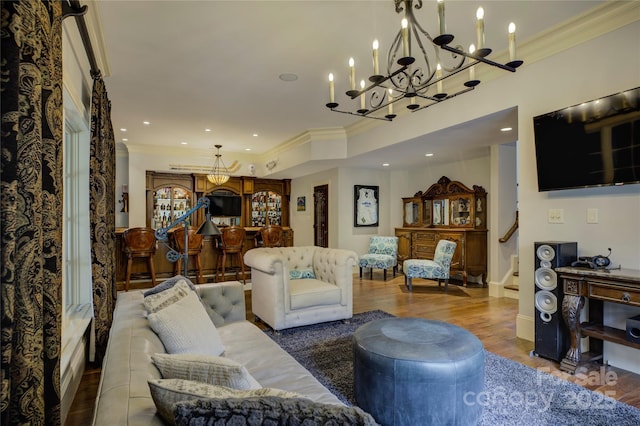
(511, 231)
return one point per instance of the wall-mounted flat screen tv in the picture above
(225, 205)
(596, 143)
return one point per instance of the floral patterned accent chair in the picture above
(436, 269)
(383, 254)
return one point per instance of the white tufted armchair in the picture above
(295, 286)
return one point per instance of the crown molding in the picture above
(602, 19)
(329, 133)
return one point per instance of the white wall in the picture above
(302, 222)
(502, 212)
(122, 178)
(563, 80)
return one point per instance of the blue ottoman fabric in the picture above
(413, 371)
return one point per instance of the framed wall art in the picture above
(365, 205)
(302, 204)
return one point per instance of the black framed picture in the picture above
(365, 205)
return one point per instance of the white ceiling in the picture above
(186, 66)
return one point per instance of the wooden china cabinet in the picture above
(452, 211)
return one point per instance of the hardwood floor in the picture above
(491, 319)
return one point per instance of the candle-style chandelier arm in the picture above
(509, 66)
(436, 100)
(366, 114)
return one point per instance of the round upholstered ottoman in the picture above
(413, 371)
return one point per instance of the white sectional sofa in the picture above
(296, 286)
(124, 397)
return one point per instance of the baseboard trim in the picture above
(525, 327)
(496, 289)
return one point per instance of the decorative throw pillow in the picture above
(299, 274)
(268, 410)
(168, 284)
(167, 392)
(214, 370)
(157, 301)
(185, 327)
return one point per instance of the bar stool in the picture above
(139, 243)
(194, 247)
(271, 236)
(230, 243)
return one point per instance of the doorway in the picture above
(321, 216)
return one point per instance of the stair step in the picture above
(516, 274)
(512, 287)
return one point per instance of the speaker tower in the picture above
(552, 334)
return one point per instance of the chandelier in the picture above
(419, 78)
(219, 175)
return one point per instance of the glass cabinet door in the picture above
(169, 203)
(266, 208)
(461, 209)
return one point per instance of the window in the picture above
(76, 269)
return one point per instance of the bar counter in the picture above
(165, 269)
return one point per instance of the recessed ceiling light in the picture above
(429, 154)
(123, 130)
(385, 164)
(506, 129)
(247, 149)
(207, 130)
(255, 135)
(125, 140)
(184, 143)
(146, 123)
(288, 76)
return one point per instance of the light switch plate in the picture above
(555, 216)
(592, 215)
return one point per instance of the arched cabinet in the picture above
(169, 196)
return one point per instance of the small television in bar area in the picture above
(225, 205)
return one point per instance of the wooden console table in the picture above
(596, 286)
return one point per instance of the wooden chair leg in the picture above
(129, 263)
(244, 276)
(198, 267)
(361, 272)
(153, 270)
(370, 273)
(177, 267)
(224, 264)
(384, 274)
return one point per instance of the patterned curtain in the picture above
(102, 189)
(31, 211)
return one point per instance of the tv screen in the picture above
(596, 143)
(225, 205)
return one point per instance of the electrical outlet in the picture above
(592, 215)
(555, 216)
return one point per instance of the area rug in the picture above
(514, 394)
